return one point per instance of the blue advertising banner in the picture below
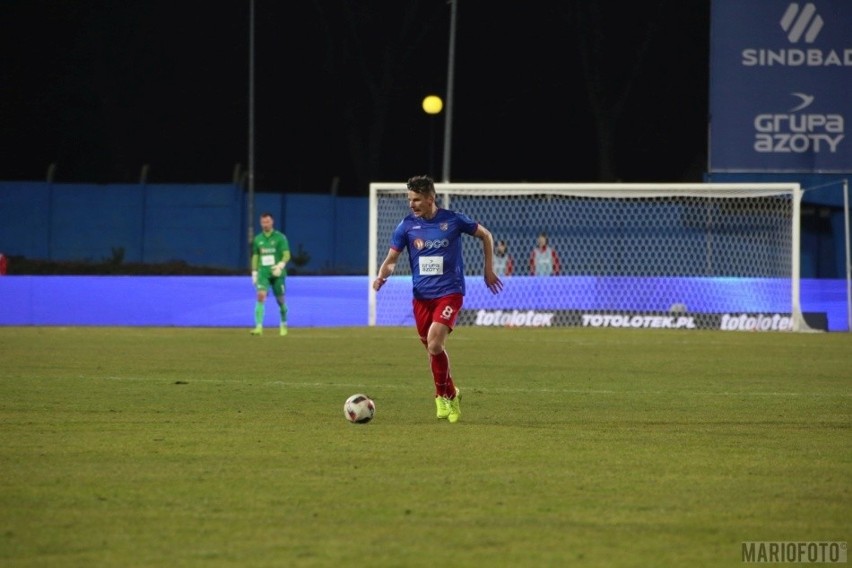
(342, 301)
(780, 86)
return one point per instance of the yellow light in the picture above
(433, 104)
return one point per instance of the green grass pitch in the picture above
(208, 447)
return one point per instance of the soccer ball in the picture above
(359, 409)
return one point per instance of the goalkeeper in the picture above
(270, 253)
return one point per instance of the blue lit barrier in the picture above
(333, 301)
(202, 301)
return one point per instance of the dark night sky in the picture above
(102, 87)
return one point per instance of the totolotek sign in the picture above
(637, 320)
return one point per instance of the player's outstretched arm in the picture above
(491, 279)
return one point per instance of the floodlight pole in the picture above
(448, 116)
(250, 205)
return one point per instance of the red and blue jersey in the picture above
(434, 251)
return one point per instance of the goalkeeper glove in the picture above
(278, 269)
(254, 277)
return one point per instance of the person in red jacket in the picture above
(544, 260)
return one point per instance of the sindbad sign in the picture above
(780, 84)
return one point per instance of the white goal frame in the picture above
(445, 192)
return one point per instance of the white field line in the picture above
(403, 385)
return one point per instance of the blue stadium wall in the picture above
(202, 225)
(205, 225)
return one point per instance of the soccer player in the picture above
(270, 252)
(432, 236)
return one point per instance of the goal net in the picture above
(704, 255)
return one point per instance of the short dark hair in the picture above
(421, 184)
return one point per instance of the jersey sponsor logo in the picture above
(431, 265)
(420, 244)
(443, 226)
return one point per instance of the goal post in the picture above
(694, 255)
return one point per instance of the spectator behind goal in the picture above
(544, 260)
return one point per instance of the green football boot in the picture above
(442, 404)
(455, 408)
